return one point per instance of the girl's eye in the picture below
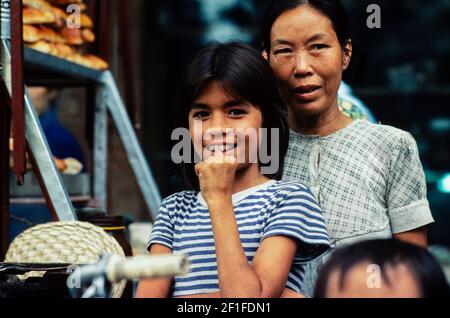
(282, 51)
(237, 112)
(200, 115)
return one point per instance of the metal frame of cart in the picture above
(108, 101)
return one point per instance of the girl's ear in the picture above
(265, 54)
(347, 56)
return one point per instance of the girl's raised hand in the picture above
(216, 177)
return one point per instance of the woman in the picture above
(367, 178)
(246, 234)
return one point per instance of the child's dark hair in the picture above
(245, 74)
(388, 252)
(333, 9)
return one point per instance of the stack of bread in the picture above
(49, 28)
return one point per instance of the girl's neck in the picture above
(323, 124)
(248, 177)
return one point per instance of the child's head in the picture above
(228, 89)
(381, 269)
(42, 97)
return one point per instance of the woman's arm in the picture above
(417, 236)
(155, 288)
(408, 207)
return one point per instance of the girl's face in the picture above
(221, 124)
(307, 59)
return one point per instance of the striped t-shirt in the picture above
(274, 208)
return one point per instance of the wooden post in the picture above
(18, 91)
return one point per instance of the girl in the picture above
(246, 234)
(367, 177)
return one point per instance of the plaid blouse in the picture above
(367, 178)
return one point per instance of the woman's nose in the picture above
(302, 65)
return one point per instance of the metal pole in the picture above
(138, 162)
(100, 150)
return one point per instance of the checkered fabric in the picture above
(366, 177)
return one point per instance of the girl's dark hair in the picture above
(389, 252)
(333, 9)
(244, 74)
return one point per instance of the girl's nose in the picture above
(218, 123)
(217, 127)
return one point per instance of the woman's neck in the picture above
(323, 124)
(248, 177)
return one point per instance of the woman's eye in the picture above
(282, 51)
(317, 47)
(237, 112)
(200, 115)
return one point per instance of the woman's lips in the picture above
(307, 93)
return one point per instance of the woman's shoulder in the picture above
(383, 135)
(381, 129)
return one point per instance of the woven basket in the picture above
(64, 243)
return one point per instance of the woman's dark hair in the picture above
(333, 9)
(384, 253)
(244, 74)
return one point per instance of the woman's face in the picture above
(307, 59)
(220, 124)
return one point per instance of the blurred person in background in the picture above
(67, 152)
(63, 145)
(383, 268)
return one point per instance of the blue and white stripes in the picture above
(273, 209)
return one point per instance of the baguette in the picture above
(88, 35)
(64, 50)
(89, 60)
(86, 21)
(50, 35)
(65, 2)
(60, 15)
(42, 46)
(31, 34)
(36, 16)
(72, 36)
(37, 4)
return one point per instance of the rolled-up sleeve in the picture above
(407, 203)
